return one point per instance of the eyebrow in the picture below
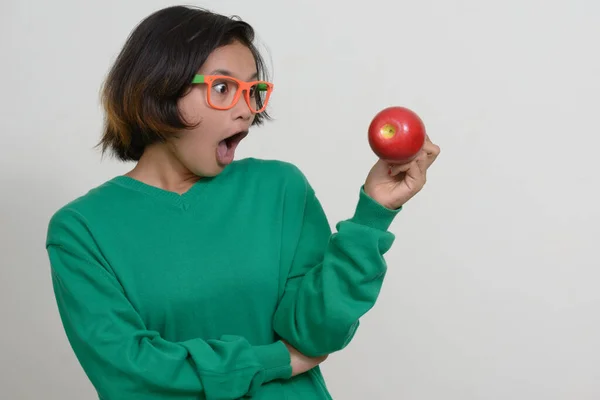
(229, 73)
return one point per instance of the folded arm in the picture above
(333, 279)
(124, 359)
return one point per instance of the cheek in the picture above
(200, 140)
(193, 149)
(193, 144)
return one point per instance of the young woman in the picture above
(196, 276)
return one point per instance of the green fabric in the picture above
(168, 296)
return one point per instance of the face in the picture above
(208, 148)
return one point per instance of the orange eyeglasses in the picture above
(224, 92)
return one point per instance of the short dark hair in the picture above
(156, 67)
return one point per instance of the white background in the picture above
(493, 285)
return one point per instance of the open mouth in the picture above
(227, 146)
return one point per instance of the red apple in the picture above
(396, 135)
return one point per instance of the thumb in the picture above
(396, 169)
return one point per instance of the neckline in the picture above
(183, 200)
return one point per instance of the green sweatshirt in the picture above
(168, 296)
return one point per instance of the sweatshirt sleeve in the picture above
(125, 360)
(333, 279)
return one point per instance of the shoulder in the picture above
(71, 219)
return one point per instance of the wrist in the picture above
(373, 195)
(275, 360)
(370, 212)
(292, 356)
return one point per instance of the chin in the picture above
(210, 172)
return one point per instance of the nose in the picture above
(242, 110)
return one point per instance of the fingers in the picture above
(396, 169)
(424, 159)
(422, 162)
(432, 151)
(416, 175)
(416, 170)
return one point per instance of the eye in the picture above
(221, 87)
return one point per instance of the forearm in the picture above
(321, 307)
(124, 359)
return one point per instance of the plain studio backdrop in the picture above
(493, 287)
